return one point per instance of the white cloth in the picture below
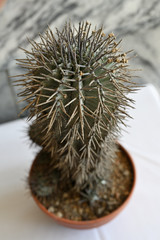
(21, 219)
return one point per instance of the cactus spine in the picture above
(76, 88)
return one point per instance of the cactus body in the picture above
(76, 89)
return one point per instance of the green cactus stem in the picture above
(76, 88)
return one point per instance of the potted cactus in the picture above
(76, 87)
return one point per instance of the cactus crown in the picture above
(76, 88)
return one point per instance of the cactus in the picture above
(76, 88)
(43, 180)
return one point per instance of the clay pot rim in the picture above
(98, 221)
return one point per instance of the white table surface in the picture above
(21, 219)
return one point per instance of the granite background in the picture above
(137, 22)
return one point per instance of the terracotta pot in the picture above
(92, 223)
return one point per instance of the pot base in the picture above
(81, 217)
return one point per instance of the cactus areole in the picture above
(76, 89)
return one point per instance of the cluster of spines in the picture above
(76, 88)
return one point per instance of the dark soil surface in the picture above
(105, 198)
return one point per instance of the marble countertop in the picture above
(137, 22)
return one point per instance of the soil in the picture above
(106, 197)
